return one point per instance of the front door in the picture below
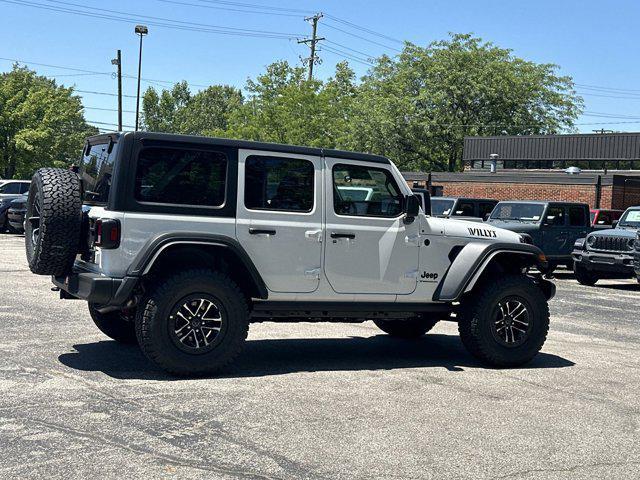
(279, 218)
(369, 248)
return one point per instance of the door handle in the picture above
(313, 235)
(350, 236)
(261, 231)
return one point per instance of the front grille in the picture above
(610, 244)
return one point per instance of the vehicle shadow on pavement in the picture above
(281, 356)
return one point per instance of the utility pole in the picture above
(118, 61)
(311, 42)
(141, 30)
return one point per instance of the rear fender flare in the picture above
(154, 248)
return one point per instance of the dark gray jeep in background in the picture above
(553, 227)
(608, 253)
(460, 208)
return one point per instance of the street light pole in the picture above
(141, 30)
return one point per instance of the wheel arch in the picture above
(478, 261)
(213, 251)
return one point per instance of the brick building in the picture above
(532, 168)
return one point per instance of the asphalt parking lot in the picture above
(318, 400)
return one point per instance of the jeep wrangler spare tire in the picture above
(53, 221)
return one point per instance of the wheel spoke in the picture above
(191, 326)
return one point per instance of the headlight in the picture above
(591, 240)
(632, 243)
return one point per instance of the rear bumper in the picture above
(96, 288)
(605, 262)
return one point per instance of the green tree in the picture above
(418, 108)
(179, 111)
(41, 124)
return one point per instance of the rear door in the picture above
(279, 218)
(369, 249)
(555, 236)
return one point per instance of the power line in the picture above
(603, 88)
(358, 36)
(346, 55)
(280, 14)
(106, 123)
(363, 29)
(253, 5)
(107, 109)
(155, 21)
(367, 55)
(90, 92)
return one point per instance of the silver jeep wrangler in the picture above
(178, 243)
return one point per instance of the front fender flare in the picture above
(472, 260)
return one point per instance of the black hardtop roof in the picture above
(473, 199)
(226, 142)
(545, 202)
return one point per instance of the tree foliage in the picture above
(178, 111)
(415, 108)
(41, 124)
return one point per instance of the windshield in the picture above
(441, 206)
(631, 218)
(96, 169)
(526, 212)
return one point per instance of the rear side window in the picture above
(486, 208)
(577, 216)
(365, 191)
(555, 216)
(464, 209)
(278, 183)
(96, 171)
(181, 177)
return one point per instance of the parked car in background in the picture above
(553, 227)
(16, 212)
(603, 218)
(608, 253)
(9, 190)
(476, 209)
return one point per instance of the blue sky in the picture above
(595, 42)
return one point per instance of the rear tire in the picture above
(117, 325)
(409, 328)
(584, 276)
(193, 323)
(506, 322)
(53, 221)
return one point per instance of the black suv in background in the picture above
(553, 227)
(476, 209)
(608, 253)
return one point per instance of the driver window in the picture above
(464, 209)
(365, 191)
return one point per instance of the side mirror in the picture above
(411, 207)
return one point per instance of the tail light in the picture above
(107, 233)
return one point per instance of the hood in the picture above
(477, 230)
(515, 225)
(615, 232)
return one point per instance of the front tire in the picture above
(193, 323)
(584, 276)
(118, 325)
(505, 323)
(409, 328)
